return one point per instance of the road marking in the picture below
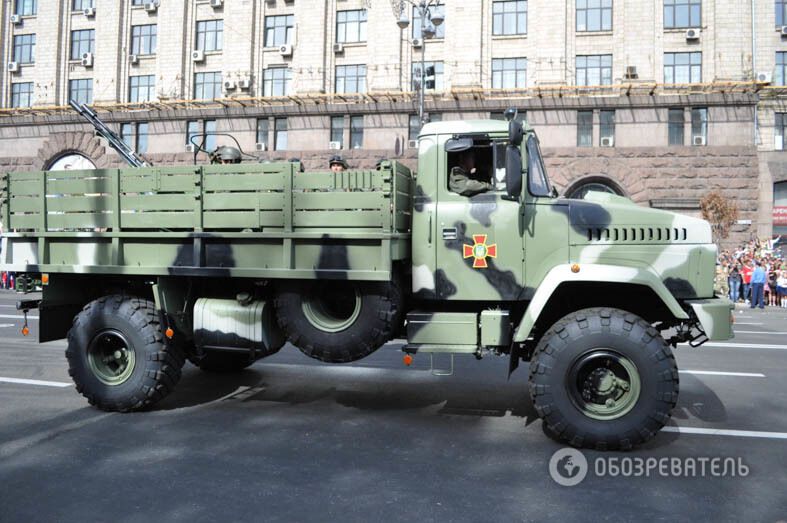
(19, 316)
(720, 373)
(35, 382)
(6, 325)
(726, 432)
(758, 332)
(743, 345)
(742, 323)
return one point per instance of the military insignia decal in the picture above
(479, 251)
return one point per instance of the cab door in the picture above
(479, 244)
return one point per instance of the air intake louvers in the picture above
(638, 234)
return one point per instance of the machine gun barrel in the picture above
(109, 135)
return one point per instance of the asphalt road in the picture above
(291, 439)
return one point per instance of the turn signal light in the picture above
(575, 268)
(408, 360)
(44, 279)
(169, 333)
(25, 331)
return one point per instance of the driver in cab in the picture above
(464, 177)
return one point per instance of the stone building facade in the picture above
(652, 99)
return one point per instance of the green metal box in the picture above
(495, 328)
(442, 328)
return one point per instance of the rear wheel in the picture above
(117, 356)
(603, 378)
(340, 321)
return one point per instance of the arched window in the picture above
(596, 183)
(71, 162)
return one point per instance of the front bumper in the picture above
(715, 315)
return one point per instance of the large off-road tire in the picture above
(224, 362)
(117, 356)
(339, 321)
(603, 378)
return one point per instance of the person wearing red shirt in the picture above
(746, 273)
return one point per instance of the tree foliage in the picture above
(720, 212)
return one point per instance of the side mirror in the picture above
(516, 133)
(513, 172)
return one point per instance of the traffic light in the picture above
(429, 77)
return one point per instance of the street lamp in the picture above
(429, 23)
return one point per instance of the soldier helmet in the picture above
(337, 159)
(227, 154)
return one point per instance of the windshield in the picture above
(537, 181)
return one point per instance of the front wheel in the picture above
(117, 356)
(603, 378)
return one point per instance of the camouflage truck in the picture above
(222, 264)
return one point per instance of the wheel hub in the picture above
(603, 384)
(110, 357)
(332, 308)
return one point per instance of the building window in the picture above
(781, 69)
(351, 26)
(139, 2)
(278, 30)
(682, 68)
(681, 14)
(594, 15)
(350, 78)
(82, 42)
(26, 7)
(142, 88)
(438, 75)
(584, 128)
(262, 131)
(81, 91)
(135, 135)
(207, 86)
(280, 134)
(509, 73)
(356, 132)
(606, 128)
(22, 94)
(781, 12)
(204, 131)
(276, 81)
(509, 18)
(675, 126)
(210, 34)
(416, 18)
(143, 39)
(25, 49)
(81, 5)
(778, 135)
(594, 70)
(699, 126)
(337, 129)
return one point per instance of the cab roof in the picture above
(467, 127)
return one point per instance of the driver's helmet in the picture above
(226, 154)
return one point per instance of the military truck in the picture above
(144, 268)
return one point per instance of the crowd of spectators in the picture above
(754, 274)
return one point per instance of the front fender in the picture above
(593, 273)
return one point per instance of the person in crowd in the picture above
(758, 280)
(735, 283)
(746, 273)
(781, 287)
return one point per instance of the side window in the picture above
(536, 173)
(474, 170)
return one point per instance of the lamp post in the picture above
(429, 23)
